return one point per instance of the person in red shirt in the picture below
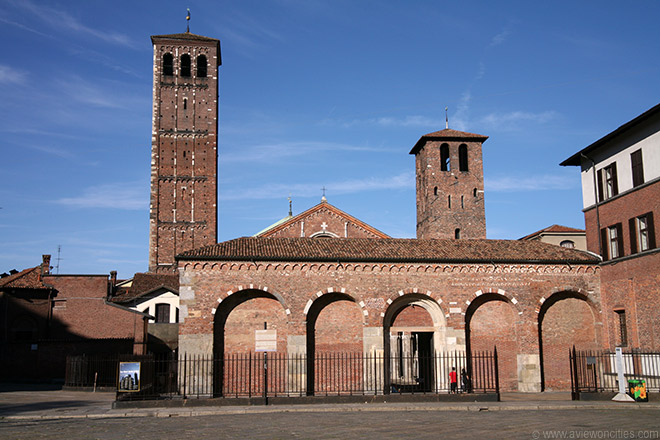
(452, 379)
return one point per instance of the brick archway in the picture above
(566, 318)
(490, 321)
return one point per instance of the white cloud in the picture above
(274, 151)
(126, 196)
(512, 120)
(60, 19)
(500, 38)
(9, 75)
(546, 182)
(274, 191)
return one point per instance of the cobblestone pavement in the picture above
(584, 423)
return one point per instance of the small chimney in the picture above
(45, 264)
(113, 278)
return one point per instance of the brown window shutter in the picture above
(651, 226)
(604, 243)
(619, 239)
(601, 197)
(632, 229)
(637, 168)
(615, 180)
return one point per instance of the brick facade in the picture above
(184, 166)
(361, 306)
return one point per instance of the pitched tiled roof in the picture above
(184, 36)
(449, 135)
(25, 279)
(553, 229)
(387, 250)
(146, 283)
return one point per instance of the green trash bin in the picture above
(637, 390)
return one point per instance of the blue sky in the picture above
(313, 94)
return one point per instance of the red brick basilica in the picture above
(324, 281)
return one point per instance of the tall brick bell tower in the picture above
(184, 152)
(450, 185)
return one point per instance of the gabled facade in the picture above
(621, 197)
(559, 235)
(322, 221)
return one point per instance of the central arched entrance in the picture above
(413, 331)
(334, 344)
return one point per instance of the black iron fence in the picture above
(595, 371)
(263, 375)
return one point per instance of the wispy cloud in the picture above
(246, 32)
(275, 151)
(545, 182)
(385, 121)
(513, 120)
(9, 75)
(126, 196)
(500, 38)
(274, 191)
(62, 20)
(95, 94)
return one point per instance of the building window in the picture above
(457, 233)
(637, 168)
(162, 313)
(623, 330)
(445, 164)
(607, 182)
(435, 191)
(185, 103)
(474, 192)
(168, 64)
(185, 65)
(462, 158)
(448, 202)
(201, 66)
(612, 241)
(642, 233)
(569, 244)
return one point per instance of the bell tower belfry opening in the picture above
(184, 152)
(450, 185)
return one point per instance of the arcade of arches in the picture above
(532, 314)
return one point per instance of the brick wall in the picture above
(294, 288)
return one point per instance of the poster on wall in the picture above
(129, 377)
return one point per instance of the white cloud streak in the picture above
(512, 120)
(270, 152)
(274, 191)
(126, 196)
(545, 182)
(9, 75)
(62, 20)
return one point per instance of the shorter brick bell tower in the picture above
(450, 185)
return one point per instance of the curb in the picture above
(167, 413)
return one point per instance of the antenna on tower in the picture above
(188, 21)
(59, 251)
(446, 118)
(290, 207)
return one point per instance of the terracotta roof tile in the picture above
(25, 279)
(145, 283)
(387, 250)
(553, 228)
(446, 134)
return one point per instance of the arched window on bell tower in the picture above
(201, 66)
(185, 65)
(168, 64)
(462, 158)
(457, 233)
(445, 162)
